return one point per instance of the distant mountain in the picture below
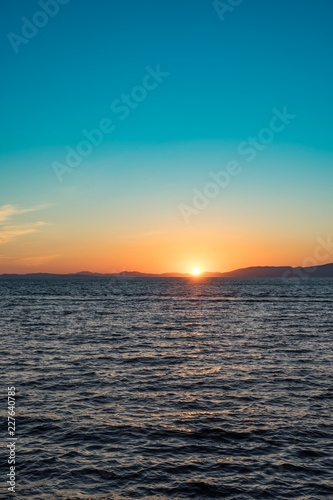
(325, 271)
(260, 272)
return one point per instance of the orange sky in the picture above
(96, 223)
(47, 249)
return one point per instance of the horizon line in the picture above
(202, 274)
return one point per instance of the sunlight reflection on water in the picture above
(170, 388)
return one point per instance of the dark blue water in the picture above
(169, 388)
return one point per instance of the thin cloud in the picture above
(28, 261)
(10, 233)
(8, 211)
(36, 261)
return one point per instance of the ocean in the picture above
(168, 388)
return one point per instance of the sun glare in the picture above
(196, 271)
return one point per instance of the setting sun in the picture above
(196, 271)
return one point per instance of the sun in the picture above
(196, 271)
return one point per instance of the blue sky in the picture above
(224, 80)
(224, 76)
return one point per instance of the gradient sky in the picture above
(120, 208)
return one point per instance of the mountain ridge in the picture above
(322, 271)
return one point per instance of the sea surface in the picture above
(168, 388)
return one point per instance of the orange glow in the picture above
(196, 271)
(66, 246)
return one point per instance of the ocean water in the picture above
(168, 388)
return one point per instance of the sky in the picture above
(159, 137)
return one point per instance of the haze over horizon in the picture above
(208, 142)
(318, 271)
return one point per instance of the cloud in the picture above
(8, 211)
(10, 233)
(28, 261)
(36, 261)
